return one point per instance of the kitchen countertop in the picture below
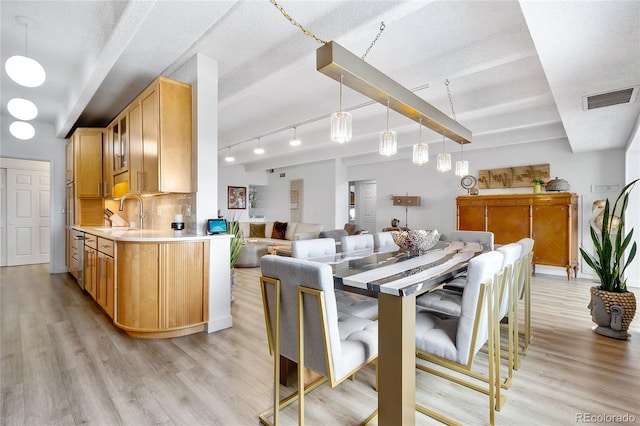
(142, 235)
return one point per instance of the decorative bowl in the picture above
(416, 241)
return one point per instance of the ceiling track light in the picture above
(295, 141)
(23, 70)
(388, 140)
(420, 150)
(229, 158)
(259, 150)
(341, 130)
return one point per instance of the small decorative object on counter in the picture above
(395, 222)
(416, 242)
(177, 225)
(559, 185)
(537, 185)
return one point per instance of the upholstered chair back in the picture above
(383, 241)
(481, 268)
(335, 344)
(317, 247)
(291, 273)
(351, 243)
(470, 236)
(527, 247)
(511, 264)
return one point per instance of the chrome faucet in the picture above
(129, 195)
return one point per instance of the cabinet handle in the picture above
(140, 180)
(99, 187)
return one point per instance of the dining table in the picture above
(397, 278)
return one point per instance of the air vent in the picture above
(617, 97)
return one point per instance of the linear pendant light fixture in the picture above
(341, 65)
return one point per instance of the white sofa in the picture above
(295, 231)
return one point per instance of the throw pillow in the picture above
(256, 230)
(279, 230)
(350, 228)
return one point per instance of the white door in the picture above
(366, 200)
(27, 207)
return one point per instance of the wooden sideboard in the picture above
(551, 219)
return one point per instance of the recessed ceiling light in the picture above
(22, 130)
(22, 109)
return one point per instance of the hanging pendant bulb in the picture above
(229, 158)
(462, 166)
(341, 123)
(259, 150)
(22, 109)
(388, 140)
(24, 70)
(444, 158)
(420, 150)
(295, 141)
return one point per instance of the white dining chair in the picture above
(304, 326)
(321, 249)
(383, 242)
(452, 342)
(353, 243)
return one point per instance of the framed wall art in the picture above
(236, 197)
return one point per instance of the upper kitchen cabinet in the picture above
(160, 140)
(69, 162)
(87, 169)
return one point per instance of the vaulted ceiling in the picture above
(518, 71)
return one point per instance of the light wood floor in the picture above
(64, 363)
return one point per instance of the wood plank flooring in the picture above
(63, 362)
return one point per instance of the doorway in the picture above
(362, 204)
(24, 212)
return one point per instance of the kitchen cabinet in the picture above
(90, 264)
(162, 288)
(107, 165)
(105, 278)
(551, 219)
(87, 143)
(70, 153)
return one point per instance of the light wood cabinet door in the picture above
(105, 283)
(69, 176)
(138, 293)
(508, 223)
(162, 288)
(107, 167)
(551, 233)
(88, 162)
(471, 218)
(136, 165)
(90, 270)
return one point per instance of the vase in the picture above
(612, 312)
(537, 188)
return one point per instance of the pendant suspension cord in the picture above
(296, 23)
(461, 148)
(26, 44)
(382, 26)
(453, 113)
(340, 108)
(443, 137)
(387, 115)
(420, 132)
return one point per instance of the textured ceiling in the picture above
(517, 70)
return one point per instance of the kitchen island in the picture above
(158, 284)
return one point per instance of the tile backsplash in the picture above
(159, 211)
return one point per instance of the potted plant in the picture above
(233, 228)
(537, 185)
(612, 305)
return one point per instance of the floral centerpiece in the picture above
(417, 241)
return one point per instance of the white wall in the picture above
(44, 147)
(236, 176)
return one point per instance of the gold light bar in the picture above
(334, 61)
